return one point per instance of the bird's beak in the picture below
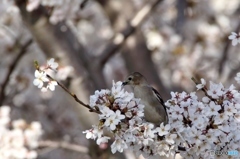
(124, 83)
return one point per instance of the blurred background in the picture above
(98, 41)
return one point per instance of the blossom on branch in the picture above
(198, 125)
(122, 115)
(202, 85)
(52, 64)
(42, 78)
(206, 124)
(235, 38)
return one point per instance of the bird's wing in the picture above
(159, 97)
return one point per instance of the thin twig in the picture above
(121, 37)
(204, 89)
(36, 65)
(74, 96)
(12, 67)
(64, 145)
(223, 59)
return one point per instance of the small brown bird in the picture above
(155, 109)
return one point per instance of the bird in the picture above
(155, 110)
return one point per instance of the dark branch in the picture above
(121, 37)
(74, 96)
(12, 67)
(225, 53)
(83, 4)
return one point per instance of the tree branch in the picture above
(12, 67)
(83, 4)
(64, 145)
(74, 96)
(120, 38)
(223, 59)
(51, 39)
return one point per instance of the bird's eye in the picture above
(129, 78)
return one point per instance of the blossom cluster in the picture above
(41, 76)
(60, 10)
(199, 125)
(45, 75)
(122, 115)
(207, 124)
(17, 138)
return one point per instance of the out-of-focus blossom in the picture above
(4, 116)
(62, 9)
(237, 78)
(52, 64)
(18, 139)
(32, 5)
(235, 38)
(154, 40)
(64, 72)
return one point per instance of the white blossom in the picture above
(93, 133)
(237, 78)
(51, 85)
(111, 122)
(18, 140)
(103, 139)
(202, 85)
(213, 108)
(118, 145)
(215, 90)
(32, 5)
(163, 130)
(52, 64)
(197, 125)
(64, 72)
(235, 38)
(207, 123)
(149, 132)
(170, 138)
(40, 78)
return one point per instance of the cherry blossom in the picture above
(18, 138)
(235, 38)
(163, 130)
(42, 76)
(198, 125)
(118, 145)
(52, 64)
(237, 78)
(40, 79)
(51, 85)
(202, 85)
(122, 115)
